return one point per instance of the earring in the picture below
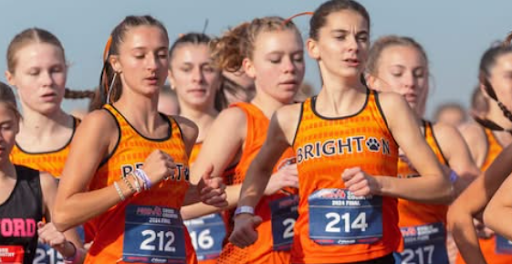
(111, 87)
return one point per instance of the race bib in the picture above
(424, 244)
(11, 254)
(284, 214)
(207, 234)
(153, 234)
(338, 217)
(503, 245)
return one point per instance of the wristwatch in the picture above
(245, 209)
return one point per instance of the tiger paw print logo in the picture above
(373, 144)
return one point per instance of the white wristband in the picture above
(245, 209)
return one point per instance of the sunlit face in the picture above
(501, 79)
(8, 130)
(277, 64)
(40, 77)
(342, 45)
(403, 70)
(142, 60)
(193, 76)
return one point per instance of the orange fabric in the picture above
(262, 250)
(323, 153)
(51, 162)
(414, 213)
(488, 246)
(131, 151)
(194, 152)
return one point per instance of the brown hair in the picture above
(387, 41)
(108, 76)
(7, 97)
(29, 36)
(319, 17)
(235, 45)
(487, 62)
(79, 94)
(479, 103)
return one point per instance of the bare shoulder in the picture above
(392, 101)
(188, 128)
(445, 131)
(100, 120)
(233, 115)
(472, 132)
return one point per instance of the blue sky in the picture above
(454, 33)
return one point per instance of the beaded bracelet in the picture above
(118, 189)
(130, 186)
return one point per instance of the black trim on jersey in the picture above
(383, 116)
(299, 122)
(169, 134)
(181, 131)
(431, 127)
(313, 108)
(487, 146)
(379, 107)
(75, 122)
(109, 155)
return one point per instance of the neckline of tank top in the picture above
(367, 99)
(75, 121)
(165, 117)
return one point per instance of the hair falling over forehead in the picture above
(487, 62)
(109, 82)
(389, 41)
(319, 18)
(7, 97)
(229, 51)
(27, 37)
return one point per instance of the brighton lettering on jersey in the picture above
(181, 172)
(349, 145)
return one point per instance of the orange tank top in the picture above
(266, 249)
(334, 226)
(51, 161)
(423, 225)
(146, 227)
(489, 247)
(414, 213)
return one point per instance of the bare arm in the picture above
(500, 205)
(457, 154)
(473, 201)
(56, 238)
(223, 142)
(434, 185)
